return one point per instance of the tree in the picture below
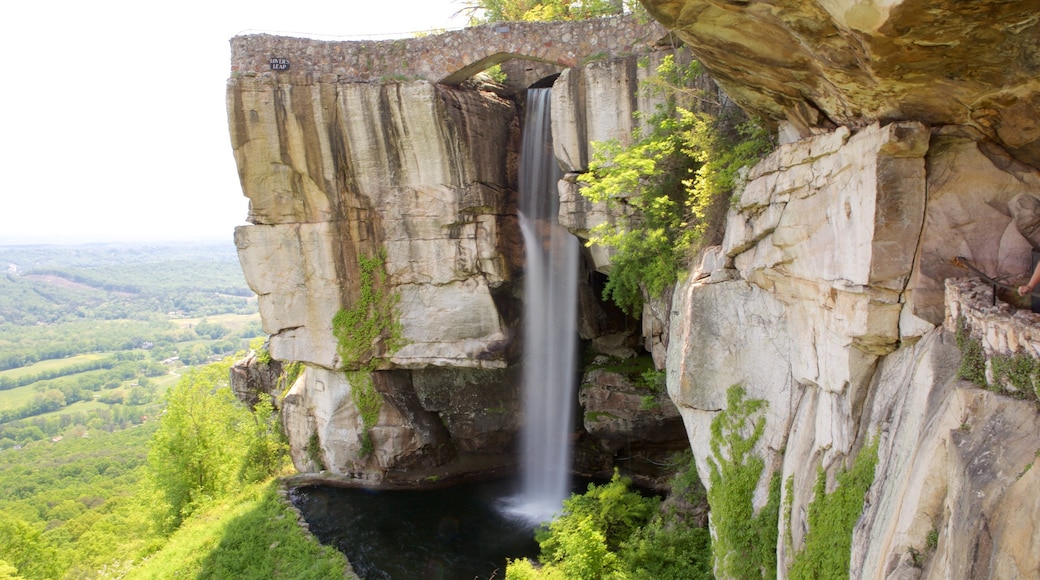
(208, 443)
(485, 11)
(23, 548)
(675, 178)
(196, 452)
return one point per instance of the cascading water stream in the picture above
(550, 320)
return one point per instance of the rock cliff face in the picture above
(822, 304)
(420, 179)
(848, 63)
(909, 135)
(904, 149)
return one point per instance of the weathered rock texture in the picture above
(839, 62)
(912, 138)
(826, 302)
(415, 172)
(421, 176)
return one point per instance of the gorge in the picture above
(908, 133)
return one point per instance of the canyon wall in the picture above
(908, 134)
(821, 302)
(909, 138)
(382, 190)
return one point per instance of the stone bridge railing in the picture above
(447, 58)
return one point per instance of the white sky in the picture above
(113, 123)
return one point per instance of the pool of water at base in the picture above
(458, 533)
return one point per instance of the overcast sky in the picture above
(113, 119)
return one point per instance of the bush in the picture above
(614, 532)
(677, 178)
(207, 442)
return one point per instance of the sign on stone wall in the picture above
(279, 63)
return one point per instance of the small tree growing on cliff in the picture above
(677, 175)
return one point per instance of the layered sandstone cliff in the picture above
(344, 170)
(910, 128)
(822, 302)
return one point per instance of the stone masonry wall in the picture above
(1002, 328)
(447, 58)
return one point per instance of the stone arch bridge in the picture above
(447, 58)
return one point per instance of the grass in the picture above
(234, 322)
(17, 397)
(48, 365)
(250, 535)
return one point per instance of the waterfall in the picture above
(550, 321)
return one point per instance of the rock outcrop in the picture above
(420, 179)
(828, 305)
(909, 138)
(843, 63)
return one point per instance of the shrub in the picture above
(614, 532)
(745, 542)
(677, 177)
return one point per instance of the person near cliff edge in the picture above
(1033, 281)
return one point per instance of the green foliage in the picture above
(1016, 375)
(206, 440)
(496, 73)
(84, 491)
(932, 541)
(973, 360)
(788, 506)
(250, 534)
(366, 331)
(368, 402)
(583, 542)
(745, 542)
(313, 451)
(486, 11)
(613, 532)
(615, 511)
(23, 548)
(832, 516)
(266, 445)
(675, 178)
(671, 545)
(369, 328)
(290, 373)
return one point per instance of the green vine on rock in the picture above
(368, 402)
(368, 329)
(832, 517)
(367, 333)
(745, 542)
